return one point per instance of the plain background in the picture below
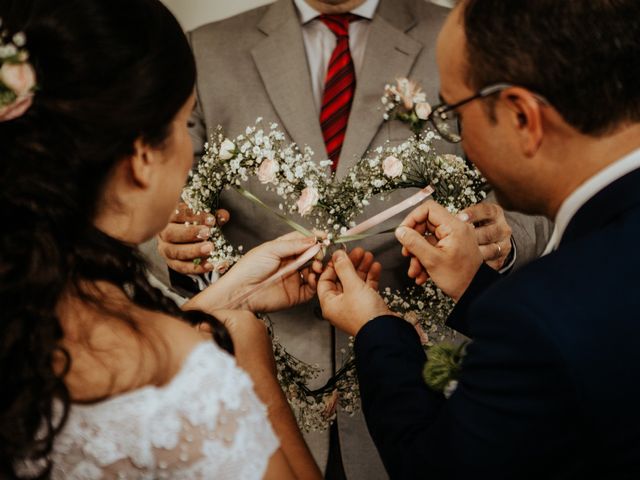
(193, 13)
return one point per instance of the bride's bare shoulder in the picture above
(116, 352)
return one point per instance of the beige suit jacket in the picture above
(254, 65)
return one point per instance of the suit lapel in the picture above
(390, 53)
(282, 63)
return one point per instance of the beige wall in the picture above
(193, 13)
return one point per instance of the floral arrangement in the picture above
(17, 77)
(405, 101)
(309, 190)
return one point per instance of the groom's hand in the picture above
(186, 238)
(449, 254)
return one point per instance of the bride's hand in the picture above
(256, 266)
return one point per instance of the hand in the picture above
(181, 244)
(449, 254)
(256, 266)
(348, 291)
(493, 233)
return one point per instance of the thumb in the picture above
(346, 271)
(416, 244)
(285, 248)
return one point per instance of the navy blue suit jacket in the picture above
(550, 386)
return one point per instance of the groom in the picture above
(549, 387)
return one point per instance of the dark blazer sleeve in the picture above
(458, 319)
(479, 432)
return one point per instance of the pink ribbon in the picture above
(309, 254)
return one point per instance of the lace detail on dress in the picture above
(206, 423)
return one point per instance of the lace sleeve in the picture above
(207, 423)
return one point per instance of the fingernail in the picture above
(208, 266)
(206, 248)
(204, 233)
(210, 220)
(463, 217)
(401, 232)
(221, 219)
(444, 229)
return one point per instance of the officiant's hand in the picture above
(493, 233)
(180, 244)
(256, 266)
(449, 254)
(348, 291)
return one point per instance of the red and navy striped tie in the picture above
(339, 87)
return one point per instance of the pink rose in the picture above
(423, 110)
(267, 171)
(18, 77)
(308, 199)
(16, 109)
(392, 167)
(410, 93)
(331, 404)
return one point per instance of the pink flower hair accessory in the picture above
(17, 77)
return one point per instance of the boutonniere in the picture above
(407, 102)
(442, 370)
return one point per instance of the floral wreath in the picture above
(308, 188)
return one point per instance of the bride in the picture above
(103, 377)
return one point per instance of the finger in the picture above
(189, 268)
(184, 252)
(422, 278)
(417, 245)
(491, 233)
(184, 214)
(222, 217)
(365, 265)
(481, 212)
(346, 272)
(415, 268)
(181, 233)
(373, 275)
(356, 256)
(283, 248)
(317, 267)
(492, 251)
(327, 287)
(428, 213)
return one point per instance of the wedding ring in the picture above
(499, 250)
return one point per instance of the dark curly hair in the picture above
(109, 72)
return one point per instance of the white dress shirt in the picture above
(319, 42)
(588, 190)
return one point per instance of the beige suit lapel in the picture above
(390, 53)
(282, 63)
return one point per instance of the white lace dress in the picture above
(207, 423)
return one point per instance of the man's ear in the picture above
(142, 164)
(526, 117)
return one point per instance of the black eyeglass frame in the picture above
(485, 92)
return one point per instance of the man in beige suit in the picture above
(271, 62)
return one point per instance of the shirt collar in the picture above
(307, 13)
(588, 190)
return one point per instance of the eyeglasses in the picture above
(446, 120)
